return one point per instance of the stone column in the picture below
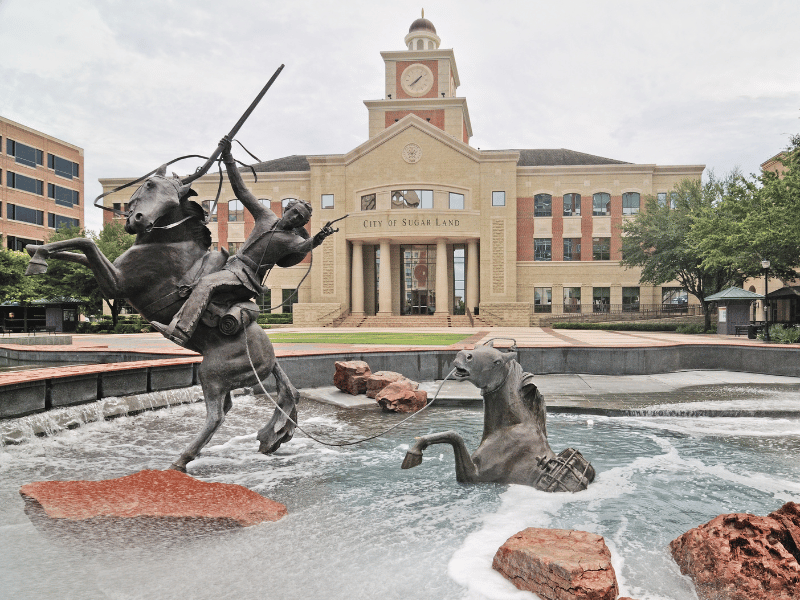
(357, 280)
(276, 297)
(442, 281)
(472, 275)
(385, 276)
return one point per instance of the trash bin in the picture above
(751, 332)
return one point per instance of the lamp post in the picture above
(765, 266)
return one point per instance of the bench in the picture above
(745, 329)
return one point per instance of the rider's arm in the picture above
(250, 202)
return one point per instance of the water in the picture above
(359, 527)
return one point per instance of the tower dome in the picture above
(422, 35)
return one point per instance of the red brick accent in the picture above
(524, 229)
(249, 223)
(557, 243)
(434, 117)
(433, 65)
(222, 224)
(616, 223)
(586, 231)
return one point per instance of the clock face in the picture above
(417, 80)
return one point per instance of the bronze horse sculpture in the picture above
(171, 253)
(514, 446)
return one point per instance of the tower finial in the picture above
(423, 13)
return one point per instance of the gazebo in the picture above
(734, 309)
(786, 302)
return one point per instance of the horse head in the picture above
(485, 366)
(156, 198)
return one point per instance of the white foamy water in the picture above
(360, 527)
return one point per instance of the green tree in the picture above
(112, 241)
(66, 279)
(659, 240)
(14, 285)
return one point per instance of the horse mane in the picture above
(197, 224)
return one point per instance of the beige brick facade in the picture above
(435, 225)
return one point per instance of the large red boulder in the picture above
(744, 557)
(351, 376)
(558, 564)
(380, 379)
(152, 494)
(402, 396)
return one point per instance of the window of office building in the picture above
(235, 211)
(412, 199)
(18, 243)
(630, 203)
(210, 208)
(673, 200)
(24, 154)
(234, 247)
(572, 205)
(542, 299)
(326, 201)
(26, 184)
(24, 214)
(572, 248)
(601, 248)
(542, 205)
(63, 196)
(630, 299)
(456, 201)
(674, 296)
(542, 249)
(498, 198)
(661, 197)
(459, 280)
(572, 299)
(62, 166)
(368, 202)
(289, 299)
(601, 299)
(57, 221)
(601, 202)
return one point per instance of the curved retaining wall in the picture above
(37, 390)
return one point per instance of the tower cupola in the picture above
(422, 35)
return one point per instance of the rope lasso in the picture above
(336, 444)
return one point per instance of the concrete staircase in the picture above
(409, 321)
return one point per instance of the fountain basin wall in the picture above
(33, 391)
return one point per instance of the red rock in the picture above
(558, 564)
(744, 557)
(379, 380)
(401, 397)
(159, 494)
(351, 376)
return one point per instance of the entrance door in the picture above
(418, 283)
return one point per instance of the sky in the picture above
(136, 83)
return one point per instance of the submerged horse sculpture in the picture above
(514, 446)
(155, 275)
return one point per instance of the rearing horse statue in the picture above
(171, 253)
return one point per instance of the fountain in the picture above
(358, 526)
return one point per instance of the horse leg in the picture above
(108, 277)
(218, 402)
(466, 471)
(280, 429)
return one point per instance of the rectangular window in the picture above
(55, 221)
(673, 200)
(572, 299)
(24, 154)
(327, 201)
(63, 196)
(601, 248)
(24, 214)
(630, 299)
(630, 203)
(235, 211)
(498, 198)
(368, 202)
(542, 205)
(412, 199)
(601, 299)
(542, 249)
(210, 208)
(572, 248)
(62, 166)
(674, 298)
(600, 204)
(456, 201)
(542, 300)
(18, 244)
(234, 247)
(26, 184)
(662, 198)
(572, 205)
(289, 299)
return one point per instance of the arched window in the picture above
(420, 45)
(266, 202)
(572, 205)
(235, 210)
(630, 203)
(542, 205)
(600, 204)
(210, 208)
(286, 201)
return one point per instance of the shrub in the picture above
(632, 326)
(283, 318)
(690, 328)
(783, 335)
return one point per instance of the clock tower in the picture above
(421, 80)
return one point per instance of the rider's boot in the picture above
(172, 332)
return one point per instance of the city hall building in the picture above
(438, 228)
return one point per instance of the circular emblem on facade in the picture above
(412, 153)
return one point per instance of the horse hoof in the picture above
(412, 459)
(177, 467)
(36, 267)
(270, 446)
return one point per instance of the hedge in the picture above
(632, 326)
